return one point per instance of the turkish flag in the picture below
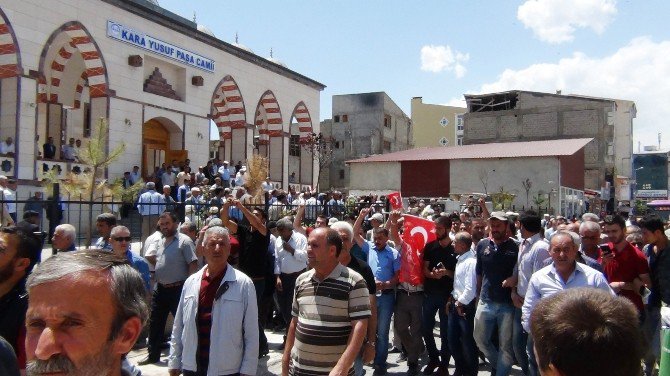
(395, 200)
(417, 232)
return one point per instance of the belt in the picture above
(171, 285)
(410, 293)
(294, 274)
(388, 291)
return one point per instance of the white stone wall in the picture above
(34, 21)
(506, 173)
(374, 176)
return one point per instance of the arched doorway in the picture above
(156, 147)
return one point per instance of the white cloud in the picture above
(439, 58)
(555, 21)
(638, 71)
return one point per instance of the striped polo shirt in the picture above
(324, 310)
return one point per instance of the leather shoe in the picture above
(394, 350)
(442, 371)
(431, 367)
(412, 369)
(148, 360)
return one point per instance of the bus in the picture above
(660, 207)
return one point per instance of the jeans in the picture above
(652, 335)
(385, 304)
(490, 315)
(165, 301)
(358, 365)
(461, 342)
(519, 340)
(432, 304)
(286, 296)
(259, 285)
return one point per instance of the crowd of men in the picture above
(551, 295)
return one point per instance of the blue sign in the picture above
(119, 32)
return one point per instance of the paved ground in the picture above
(271, 365)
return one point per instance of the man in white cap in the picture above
(224, 173)
(239, 178)
(376, 221)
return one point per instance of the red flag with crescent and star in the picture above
(417, 232)
(395, 200)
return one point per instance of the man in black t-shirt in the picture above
(254, 240)
(439, 263)
(496, 259)
(346, 232)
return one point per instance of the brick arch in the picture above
(78, 40)
(268, 118)
(10, 55)
(304, 119)
(228, 110)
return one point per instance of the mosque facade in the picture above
(157, 78)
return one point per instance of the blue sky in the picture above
(441, 50)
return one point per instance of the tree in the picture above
(527, 185)
(321, 149)
(483, 175)
(90, 184)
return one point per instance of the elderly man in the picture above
(589, 252)
(104, 224)
(217, 316)
(63, 239)
(290, 262)
(86, 310)
(150, 204)
(346, 232)
(385, 264)
(18, 250)
(329, 323)
(174, 261)
(224, 174)
(563, 273)
(119, 240)
(7, 147)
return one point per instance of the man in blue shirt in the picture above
(385, 264)
(104, 224)
(563, 273)
(120, 239)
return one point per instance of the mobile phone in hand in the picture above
(605, 249)
(440, 265)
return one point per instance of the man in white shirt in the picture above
(8, 187)
(563, 273)
(7, 147)
(462, 311)
(290, 262)
(150, 204)
(239, 178)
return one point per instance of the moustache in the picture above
(55, 364)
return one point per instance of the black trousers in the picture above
(204, 373)
(165, 300)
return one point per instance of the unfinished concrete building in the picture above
(363, 124)
(531, 116)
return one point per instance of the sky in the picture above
(440, 50)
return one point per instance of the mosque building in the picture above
(158, 79)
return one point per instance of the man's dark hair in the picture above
(380, 230)
(262, 212)
(454, 218)
(108, 218)
(443, 221)
(30, 214)
(652, 222)
(615, 220)
(333, 238)
(29, 246)
(531, 221)
(171, 215)
(587, 331)
(321, 216)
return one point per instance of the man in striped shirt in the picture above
(330, 312)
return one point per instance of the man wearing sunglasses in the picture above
(120, 239)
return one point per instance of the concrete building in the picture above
(363, 124)
(159, 80)
(529, 116)
(555, 169)
(436, 125)
(651, 172)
